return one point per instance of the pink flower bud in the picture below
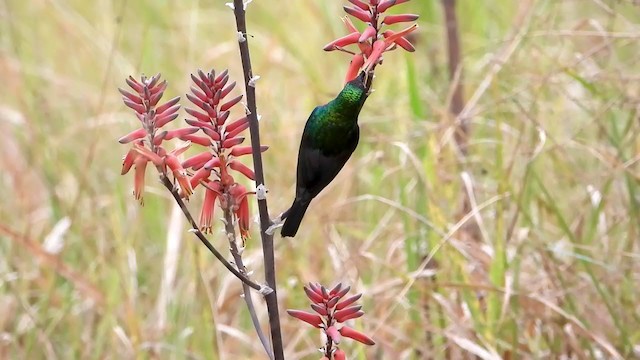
(134, 135)
(358, 13)
(246, 150)
(348, 301)
(313, 295)
(343, 292)
(222, 117)
(131, 97)
(320, 309)
(197, 161)
(243, 169)
(346, 317)
(344, 313)
(360, 4)
(394, 19)
(237, 130)
(129, 159)
(339, 355)
(227, 89)
(135, 106)
(201, 174)
(167, 117)
(367, 34)
(309, 318)
(200, 140)
(231, 142)
(179, 133)
(386, 4)
(354, 67)
(170, 106)
(198, 115)
(335, 289)
(343, 41)
(214, 135)
(213, 163)
(356, 335)
(226, 106)
(237, 123)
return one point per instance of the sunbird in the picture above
(329, 138)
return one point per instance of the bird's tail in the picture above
(294, 217)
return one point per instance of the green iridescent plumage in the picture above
(329, 138)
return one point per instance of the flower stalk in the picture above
(239, 10)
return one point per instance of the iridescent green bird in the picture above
(329, 138)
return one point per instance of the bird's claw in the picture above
(276, 224)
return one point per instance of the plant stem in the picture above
(265, 221)
(245, 280)
(233, 248)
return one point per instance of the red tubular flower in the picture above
(309, 318)
(331, 310)
(222, 140)
(356, 335)
(148, 139)
(339, 355)
(212, 192)
(372, 41)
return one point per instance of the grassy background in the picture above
(546, 262)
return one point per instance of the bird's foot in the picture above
(276, 224)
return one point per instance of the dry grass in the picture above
(546, 263)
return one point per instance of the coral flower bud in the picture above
(320, 309)
(309, 318)
(341, 314)
(386, 4)
(343, 41)
(360, 4)
(356, 335)
(231, 142)
(354, 67)
(367, 34)
(200, 140)
(354, 315)
(237, 130)
(313, 295)
(394, 19)
(197, 161)
(243, 169)
(226, 106)
(339, 355)
(358, 13)
(348, 301)
(134, 135)
(198, 115)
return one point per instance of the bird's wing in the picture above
(316, 168)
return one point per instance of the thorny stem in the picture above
(237, 257)
(265, 221)
(196, 230)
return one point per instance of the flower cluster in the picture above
(208, 128)
(372, 41)
(147, 141)
(330, 311)
(222, 140)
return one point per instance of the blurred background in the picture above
(524, 245)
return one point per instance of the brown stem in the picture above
(455, 74)
(265, 221)
(245, 280)
(233, 248)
